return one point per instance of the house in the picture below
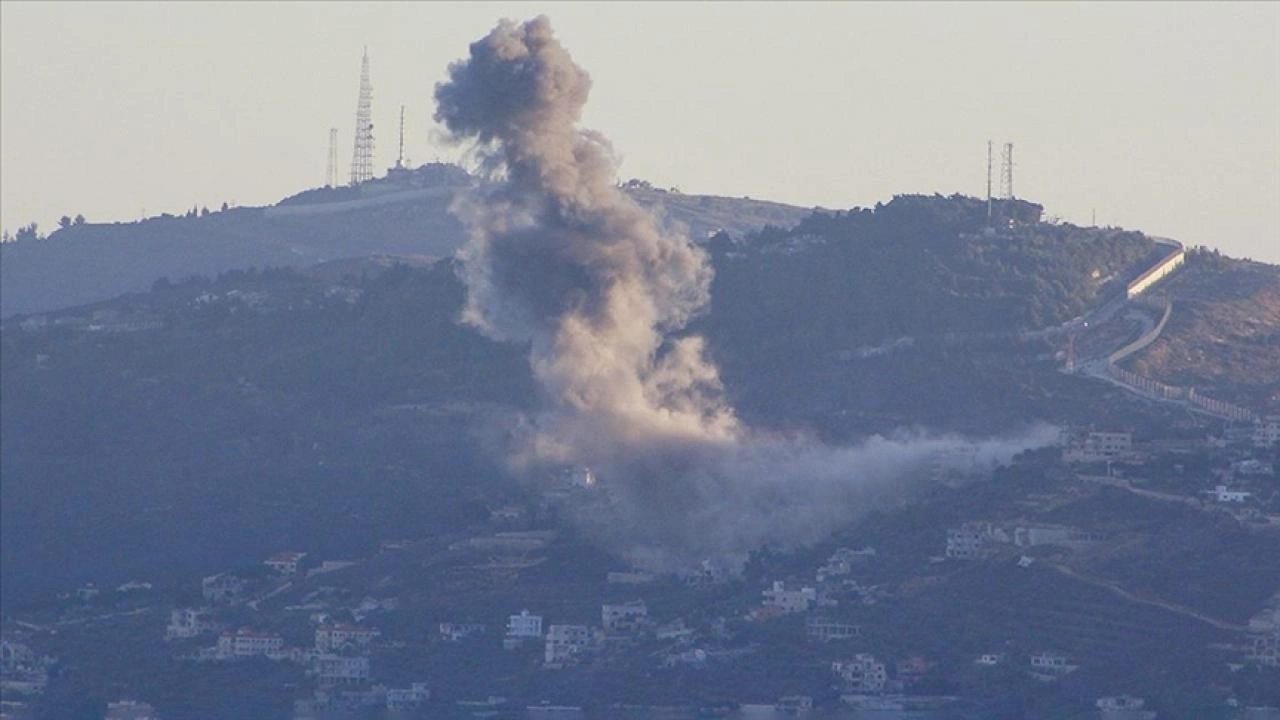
(454, 632)
(1056, 535)
(913, 669)
(187, 623)
(564, 643)
(408, 698)
(1049, 665)
(222, 588)
(794, 704)
(507, 514)
(1265, 649)
(130, 710)
(824, 630)
(630, 577)
(675, 630)
(246, 643)
(1118, 703)
(862, 674)
(1099, 447)
(842, 562)
(694, 657)
(332, 669)
(522, 627)
(1266, 432)
(1252, 466)
(285, 563)
(968, 541)
(1221, 494)
(334, 636)
(789, 601)
(990, 659)
(627, 617)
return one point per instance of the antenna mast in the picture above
(362, 157)
(400, 157)
(1006, 172)
(988, 183)
(331, 167)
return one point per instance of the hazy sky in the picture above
(1162, 117)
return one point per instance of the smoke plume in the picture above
(559, 258)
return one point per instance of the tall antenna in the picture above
(988, 182)
(362, 158)
(400, 157)
(1006, 172)
(331, 167)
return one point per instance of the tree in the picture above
(28, 232)
(224, 206)
(64, 222)
(79, 220)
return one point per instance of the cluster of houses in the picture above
(976, 539)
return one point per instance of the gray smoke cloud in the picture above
(559, 258)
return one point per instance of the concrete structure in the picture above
(1221, 494)
(1049, 665)
(331, 669)
(1266, 432)
(1100, 447)
(454, 632)
(187, 623)
(285, 563)
(408, 698)
(1176, 257)
(565, 642)
(627, 617)
(789, 601)
(130, 710)
(862, 674)
(247, 643)
(824, 630)
(1059, 536)
(522, 627)
(335, 636)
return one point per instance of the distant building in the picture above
(1221, 494)
(339, 635)
(246, 643)
(522, 627)
(222, 588)
(1265, 649)
(1050, 665)
(455, 632)
(630, 577)
(971, 539)
(862, 674)
(1266, 432)
(990, 659)
(565, 642)
(1035, 535)
(789, 601)
(285, 563)
(913, 669)
(794, 704)
(331, 669)
(842, 562)
(130, 710)
(824, 630)
(624, 618)
(1100, 447)
(187, 623)
(408, 698)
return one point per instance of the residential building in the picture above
(1120, 702)
(862, 674)
(842, 562)
(1049, 665)
(130, 710)
(187, 623)
(1266, 432)
(789, 601)
(990, 659)
(1100, 447)
(335, 636)
(565, 642)
(794, 704)
(627, 617)
(246, 642)
(408, 698)
(913, 669)
(454, 632)
(285, 563)
(1221, 494)
(1265, 649)
(331, 669)
(968, 541)
(1068, 537)
(630, 577)
(522, 627)
(222, 588)
(824, 630)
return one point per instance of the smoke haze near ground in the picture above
(558, 257)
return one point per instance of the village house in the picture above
(1221, 494)
(1265, 649)
(338, 635)
(246, 642)
(1266, 432)
(454, 632)
(187, 623)
(990, 659)
(1120, 703)
(1099, 447)
(520, 628)
(630, 577)
(794, 704)
(408, 698)
(285, 563)
(912, 670)
(222, 588)
(675, 630)
(824, 630)
(130, 710)
(333, 669)
(1050, 665)
(971, 539)
(564, 643)
(862, 674)
(842, 562)
(625, 618)
(1068, 537)
(789, 601)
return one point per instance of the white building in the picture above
(842, 562)
(522, 627)
(1068, 537)
(966, 542)
(187, 623)
(1120, 703)
(1100, 447)
(627, 617)
(339, 635)
(332, 669)
(1266, 433)
(222, 588)
(454, 632)
(1050, 664)
(285, 563)
(1265, 649)
(130, 710)
(824, 630)
(408, 698)
(990, 659)
(565, 642)
(1221, 494)
(789, 601)
(246, 643)
(862, 674)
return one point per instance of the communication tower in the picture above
(331, 167)
(988, 182)
(1006, 172)
(362, 158)
(400, 157)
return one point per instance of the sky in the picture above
(1159, 117)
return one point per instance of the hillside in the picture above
(1223, 336)
(404, 215)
